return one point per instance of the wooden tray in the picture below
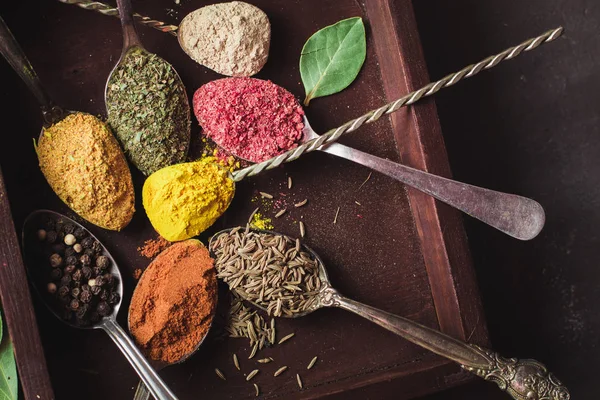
(398, 250)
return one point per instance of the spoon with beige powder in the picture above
(231, 38)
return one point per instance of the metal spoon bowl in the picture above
(109, 324)
(142, 392)
(522, 379)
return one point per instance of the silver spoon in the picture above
(132, 42)
(109, 324)
(142, 393)
(522, 379)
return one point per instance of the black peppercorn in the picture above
(104, 295)
(102, 262)
(103, 309)
(85, 296)
(100, 280)
(75, 284)
(77, 275)
(74, 304)
(80, 233)
(68, 228)
(59, 248)
(56, 260)
(94, 316)
(87, 272)
(109, 280)
(85, 286)
(60, 236)
(97, 247)
(71, 260)
(75, 292)
(51, 288)
(89, 252)
(65, 280)
(88, 242)
(97, 271)
(51, 236)
(55, 274)
(114, 298)
(69, 251)
(67, 314)
(85, 260)
(96, 290)
(82, 311)
(69, 269)
(77, 248)
(63, 291)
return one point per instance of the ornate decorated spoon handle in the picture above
(413, 97)
(114, 12)
(522, 379)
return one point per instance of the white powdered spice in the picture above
(230, 38)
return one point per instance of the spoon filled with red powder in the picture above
(256, 120)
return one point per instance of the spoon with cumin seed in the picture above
(38, 275)
(283, 277)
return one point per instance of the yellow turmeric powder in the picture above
(183, 200)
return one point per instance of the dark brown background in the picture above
(530, 127)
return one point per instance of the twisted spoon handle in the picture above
(522, 379)
(428, 90)
(114, 12)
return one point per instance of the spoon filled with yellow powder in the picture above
(78, 155)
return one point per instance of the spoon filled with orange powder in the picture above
(173, 305)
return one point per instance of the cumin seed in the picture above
(236, 362)
(280, 371)
(299, 381)
(280, 212)
(251, 375)
(302, 203)
(286, 338)
(312, 362)
(220, 374)
(266, 195)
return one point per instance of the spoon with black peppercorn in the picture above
(84, 293)
(282, 276)
(146, 103)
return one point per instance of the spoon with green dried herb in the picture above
(146, 102)
(286, 278)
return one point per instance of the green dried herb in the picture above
(149, 111)
(332, 58)
(9, 385)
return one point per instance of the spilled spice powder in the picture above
(251, 118)
(174, 302)
(152, 247)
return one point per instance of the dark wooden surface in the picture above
(532, 127)
(378, 252)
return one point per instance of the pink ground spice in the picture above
(248, 117)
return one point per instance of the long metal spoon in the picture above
(109, 324)
(131, 42)
(142, 392)
(522, 379)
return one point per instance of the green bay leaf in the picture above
(332, 57)
(9, 386)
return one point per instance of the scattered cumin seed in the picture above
(312, 362)
(286, 338)
(280, 213)
(289, 182)
(253, 352)
(252, 215)
(357, 203)
(220, 374)
(236, 362)
(336, 215)
(366, 180)
(299, 381)
(251, 375)
(280, 371)
(302, 229)
(266, 195)
(300, 204)
(264, 360)
(256, 389)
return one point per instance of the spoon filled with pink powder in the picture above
(257, 120)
